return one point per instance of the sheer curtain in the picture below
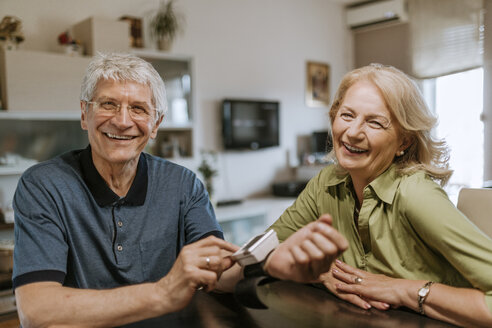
(446, 36)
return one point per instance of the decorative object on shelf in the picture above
(70, 46)
(207, 170)
(136, 39)
(165, 24)
(179, 110)
(101, 34)
(317, 84)
(11, 32)
(170, 147)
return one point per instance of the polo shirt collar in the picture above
(102, 193)
(385, 185)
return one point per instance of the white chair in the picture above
(476, 204)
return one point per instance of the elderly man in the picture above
(110, 235)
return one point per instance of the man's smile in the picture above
(118, 137)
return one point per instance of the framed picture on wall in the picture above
(317, 84)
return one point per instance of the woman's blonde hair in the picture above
(405, 102)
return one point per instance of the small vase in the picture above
(164, 44)
(73, 50)
(9, 44)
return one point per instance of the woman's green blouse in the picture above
(407, 228)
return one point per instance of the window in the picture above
(457, 99)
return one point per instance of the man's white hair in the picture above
(124, 67)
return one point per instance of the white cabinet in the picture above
(9, 176)
(40, 81)
(176, 131)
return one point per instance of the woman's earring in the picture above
(400, 153)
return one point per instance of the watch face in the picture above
(423, 291)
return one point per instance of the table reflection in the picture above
(289, 305)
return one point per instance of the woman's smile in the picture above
(353, 149)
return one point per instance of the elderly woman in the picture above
(408, 244)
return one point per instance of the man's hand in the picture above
(308, 253)
(199, 265)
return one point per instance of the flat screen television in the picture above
(250, 124)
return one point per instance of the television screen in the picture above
(249, 124)
(321, 142)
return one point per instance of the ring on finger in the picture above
(358, 280)
(207, 260)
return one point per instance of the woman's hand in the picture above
(354, 285)
(308, 253)
(330, 282)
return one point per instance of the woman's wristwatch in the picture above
(422, 295)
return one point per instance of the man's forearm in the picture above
(50, 304)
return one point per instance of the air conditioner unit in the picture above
(372, 13)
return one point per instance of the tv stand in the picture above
(229, 202)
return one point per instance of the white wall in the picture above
(244, 49)
(487, 100)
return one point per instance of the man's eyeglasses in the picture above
(140, 112)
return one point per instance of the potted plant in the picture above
(165, 25)
(207, 170)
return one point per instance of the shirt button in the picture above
(120, 224)
(119, 247)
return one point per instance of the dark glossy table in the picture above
(289, 305)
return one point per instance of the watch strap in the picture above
(256, 269)
(422, 295)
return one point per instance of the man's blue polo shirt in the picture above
(71, 228)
